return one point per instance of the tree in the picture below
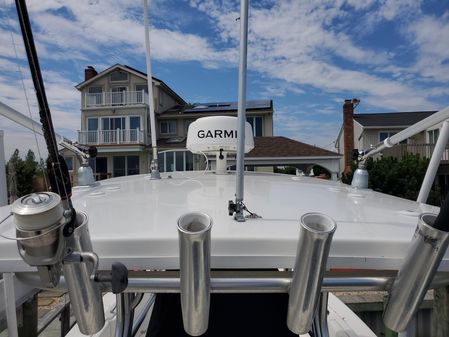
(22, 172)
(398, 177)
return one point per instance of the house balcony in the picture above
(111, 137)
(424, 151)
(114, 99)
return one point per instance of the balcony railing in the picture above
(111, 137)
(122, 98)
(424, 151)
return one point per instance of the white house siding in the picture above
(371, 137)
(358, 144)
(268, 124)
(420, 138)
(182, 119)
(167, 101)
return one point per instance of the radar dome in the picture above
(210, 134)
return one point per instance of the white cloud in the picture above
(297, 127)
(8, 40)
(296, 42)
(294, 45)
(390, 9)
(279, 89)
(117, 35)
(23, 140)
(431, 35)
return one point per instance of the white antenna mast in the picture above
(3, 189)
(154, 164)
(241, 112)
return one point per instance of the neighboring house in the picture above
(277, 151)
(115, 119)
(365, 130)
(274, 150)
(176, 121)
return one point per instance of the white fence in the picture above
(114, 98)
(118, 136)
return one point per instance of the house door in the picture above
(92, 132)
(100, 167)
(109, 129)
(119, 96)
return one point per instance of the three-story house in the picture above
(114, 118)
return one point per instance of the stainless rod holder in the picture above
(315, 237)
(125, 315)
(85, 295)
(194, 260)
(416, 273)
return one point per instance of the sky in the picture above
(308, 56)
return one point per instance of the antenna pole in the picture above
(241, 111)
(3, 186)
(154, 163)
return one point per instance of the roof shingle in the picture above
(391, 119)
(266, 147)
(278, 146)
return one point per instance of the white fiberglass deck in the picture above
(133, 220)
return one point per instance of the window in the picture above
(134, 122)
(93, 164)
(141, 98)
(160, 97)
(113, 123)
(384, 135)
(92, 124)
(109, 126)
(132, 165)
(189, 161)
(92, 134)
(134, 125)
(177, 160)
(118, 76)
(119, 166)
(140, 87)
(169, 161)
(69, 162)
(99, 166)
(95, 90)
(103, 130)
(168, 127)
(433, 136)
(95, 96)
(119, 95)
(256, 123)
(125, 165)
(187, 123)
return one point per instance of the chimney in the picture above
(348, 131)
(89, 72)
